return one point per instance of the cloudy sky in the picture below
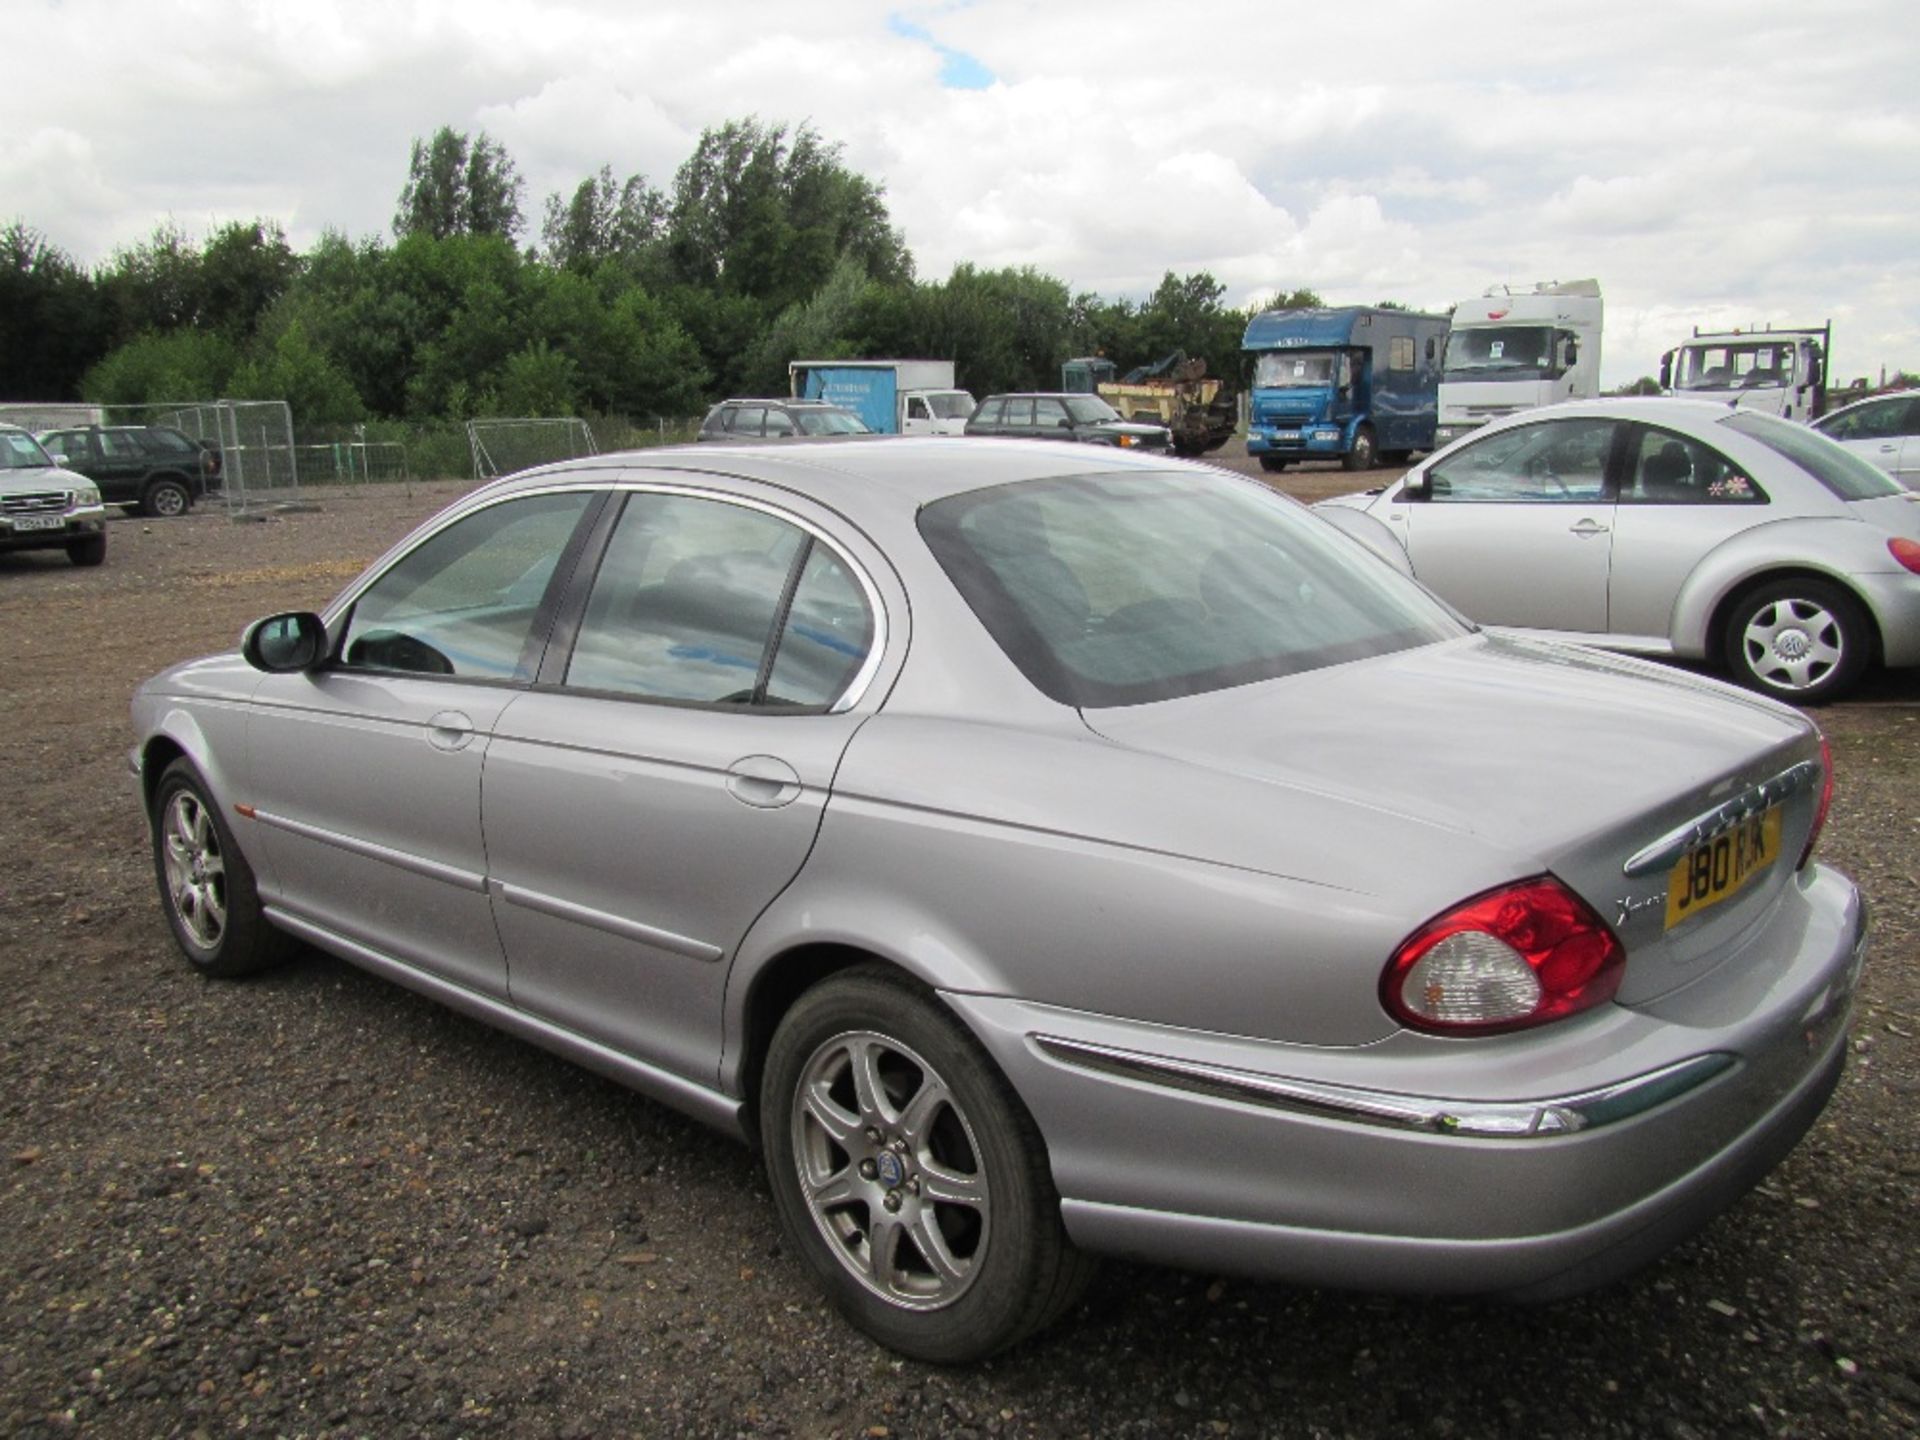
(1712, 162)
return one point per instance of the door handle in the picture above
(764, 782)
(450, 730)
(1587, 527)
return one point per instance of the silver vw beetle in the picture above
(1040, 852)
(1667, 527)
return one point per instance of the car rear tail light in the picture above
(1907, 552)
(1515, 957)
(1826, 802)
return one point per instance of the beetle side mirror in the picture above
(1415, 486)
(283, 644)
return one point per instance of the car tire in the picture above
(90, 551)
(206, 886)
(1362, 456)
(1803, 641)
(869, 1053)
(166, 500)
(1273, 464)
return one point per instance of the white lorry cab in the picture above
(1510, 350)
(1781, 372)
(894, 397)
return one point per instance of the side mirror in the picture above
(283, 644)
(59, 458)
(1666, 371)
(1415, 485)
(1573, 352)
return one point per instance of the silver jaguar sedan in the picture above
(1667, 527)
(1040, 852)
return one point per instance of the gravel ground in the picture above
(313, 1204)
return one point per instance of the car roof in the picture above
(781, 400)
(855, 473)
(1868, 400)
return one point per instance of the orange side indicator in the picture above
(243, 810)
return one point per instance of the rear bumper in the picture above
(1323, 1167)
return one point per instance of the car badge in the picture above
(1627, 906)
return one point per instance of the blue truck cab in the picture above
(1352, 383)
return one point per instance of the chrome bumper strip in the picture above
(1516, 1120)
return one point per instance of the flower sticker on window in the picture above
(1731, 487)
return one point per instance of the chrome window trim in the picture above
(1481, 1120)
(849, 697)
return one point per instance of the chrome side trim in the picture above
(1515, 1120)
(400, 859)
(601, 920)
(1723, 817)
(710, 1107)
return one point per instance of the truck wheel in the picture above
(166, 499)
(1273, 463)
(1361, 456)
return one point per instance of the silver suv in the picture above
(43, 507)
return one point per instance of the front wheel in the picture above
(1361, 456)
(1802, 641)
(909, 1176)
(1272, 464)
(90, 551)
(206, 885)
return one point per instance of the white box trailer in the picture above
(894, 397)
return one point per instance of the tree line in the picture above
(635, 299)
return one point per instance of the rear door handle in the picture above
(764, 782)
(1588, 527)
(450, 730)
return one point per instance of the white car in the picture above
(1884, 431)
(1666, 527)
(45, 507)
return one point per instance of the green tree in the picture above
(459, 185)
(51, 320)
(292, 368)
(602, 221)
(154, 286)
(153, 368)
(244, 269)
(538, 380)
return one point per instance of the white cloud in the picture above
(1745, 160)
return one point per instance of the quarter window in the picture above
(463, 602)
(780, 423)
(747, 420)
(1672, 469)
(1555, 460)
(826, 636)
(1400, 353)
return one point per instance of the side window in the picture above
(166, 442)
(1907, 421)
(463, 602)
(780, 423)
(1670, 469)
(683, 606)
(118, 445)
(1400, 353)
(74, 444)
(827, 634)
(1050, 414)
(992, 412)
(917, 409)
(1552, 461)
(1870, 422)
(746, 420)
(1020, 412)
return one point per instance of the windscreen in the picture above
(1748, 366)
(20, 451)
(1089, 410)
(1500, 352)
(1292, 370)
(1122, 589)
(951, 405)
(1829, 462)
(830, 422)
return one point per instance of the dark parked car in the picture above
(155, 468)
(1087, 418)
(779, 420)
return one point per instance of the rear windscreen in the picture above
(1835, 467)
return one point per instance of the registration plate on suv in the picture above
(1718, 868)
(39, 522)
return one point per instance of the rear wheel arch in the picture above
(775, 987)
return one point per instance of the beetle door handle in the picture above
(1588, 527)
(764, 782)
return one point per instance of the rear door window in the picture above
(1667, 468)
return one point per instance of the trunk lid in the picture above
(1556, 758)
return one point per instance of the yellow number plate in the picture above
(1709, 873)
